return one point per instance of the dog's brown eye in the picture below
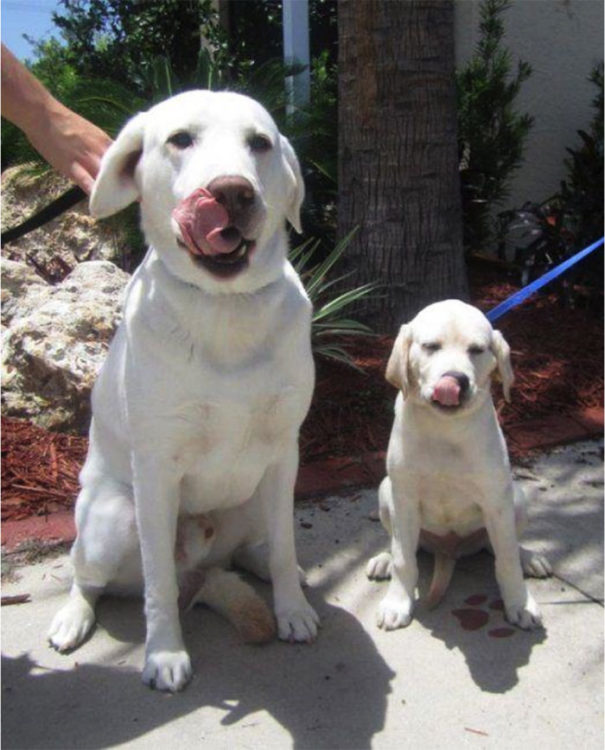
(259, 143)
(431, 346)
(181, 140)
(475, 349)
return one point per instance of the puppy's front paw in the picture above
(379, 567)
(394, 612)
(526, 616)
(297, 623)
(71, 625)
(167, 670)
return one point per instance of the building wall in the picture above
(562, 40)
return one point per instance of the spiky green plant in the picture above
(330, 323)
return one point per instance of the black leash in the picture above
(66, 200)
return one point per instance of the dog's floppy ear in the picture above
(501, 351)
(115, 186)
(397, 366)
(296, 191)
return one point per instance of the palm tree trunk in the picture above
(398, 161)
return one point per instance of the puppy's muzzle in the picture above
(451, 390)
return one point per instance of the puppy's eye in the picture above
(259, 143)
(181, 140)
(431, 346)
(475, 349)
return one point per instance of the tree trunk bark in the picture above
(398, 156)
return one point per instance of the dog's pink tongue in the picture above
(201, 220)
(447, 391)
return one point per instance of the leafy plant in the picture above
(330, 325)
(491, 133)
(581, 196)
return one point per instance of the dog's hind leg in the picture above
(255, 559)
(106, 535)
(379, 567)
(73, 622)
(533, 564)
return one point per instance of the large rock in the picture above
(20, 285)
(57, 247)
(56, 340)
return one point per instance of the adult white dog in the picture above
(449, 486)
(197, 409)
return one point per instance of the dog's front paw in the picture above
(297, 623)
(71, 625)
(379, 567)
(394, 612)
(167, 670)
(526, 616)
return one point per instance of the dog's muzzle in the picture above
(451, 390)
(211, 225)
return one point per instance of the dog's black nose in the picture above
(461, 379)
(236, 194)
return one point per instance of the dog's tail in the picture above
(226, 593)
(442, 575)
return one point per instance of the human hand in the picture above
(71, 144)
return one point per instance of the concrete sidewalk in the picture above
(435, 684)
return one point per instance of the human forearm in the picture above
(71, 144)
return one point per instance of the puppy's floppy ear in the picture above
(501, 351)
(397, 366)
(115, 186)
(296, 187)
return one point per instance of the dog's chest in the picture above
(224, 446)
(448, 502)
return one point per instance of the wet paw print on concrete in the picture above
(473, 617)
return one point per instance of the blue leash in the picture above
(518, 297)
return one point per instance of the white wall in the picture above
(562, 40)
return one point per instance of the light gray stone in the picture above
(56, 341)
(57, 247)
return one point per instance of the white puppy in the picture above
(197, 409)
(449, 487)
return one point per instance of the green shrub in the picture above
(491, 134)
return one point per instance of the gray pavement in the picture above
(433, 685)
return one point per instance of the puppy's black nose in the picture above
(461, 379)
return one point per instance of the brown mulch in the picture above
(557, 356)
(39, 469)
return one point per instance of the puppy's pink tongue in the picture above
(447, 391)
(202, 220)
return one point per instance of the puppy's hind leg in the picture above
(379, 567)
(106, 534)
(533, 564)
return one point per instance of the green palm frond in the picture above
(328, 323)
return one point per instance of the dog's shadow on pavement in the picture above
(471, 619)
(320, 698)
